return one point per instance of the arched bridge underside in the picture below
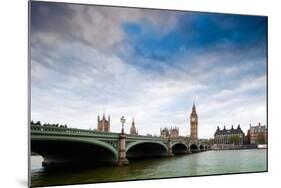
(76, 152)
(60, 147)
(179, 149)
(194, 148)
(142, 149)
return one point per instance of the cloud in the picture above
(83, 63)
(97, 26)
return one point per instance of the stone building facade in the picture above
(229, 136)
(257, 134)
(103, 124)
(174, 132)
(164, 132)
(169, 133)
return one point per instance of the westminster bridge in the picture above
(61, 146)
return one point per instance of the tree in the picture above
(234, 139)
(211, 141)
(260, 138)
(208, 141)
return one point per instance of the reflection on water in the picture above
(205, 163)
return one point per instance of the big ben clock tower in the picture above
(193, 124)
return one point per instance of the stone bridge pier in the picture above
(170, 150)
(122, 160)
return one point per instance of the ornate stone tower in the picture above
(193, 124)
(103, 124)
(133, 129)
(164, 132)
(174, 132)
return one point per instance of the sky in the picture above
(147, 64)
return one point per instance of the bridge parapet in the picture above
(179, 139)
(37, 129)
(142, 137)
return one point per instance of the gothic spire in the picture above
(133, 129)
(193, 107)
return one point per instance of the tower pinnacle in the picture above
(193, 107)
(103, 124)
(133, 129)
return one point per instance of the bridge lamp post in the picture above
(123, 120)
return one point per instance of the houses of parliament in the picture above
(174, 132)
(103, 125)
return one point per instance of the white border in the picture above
(13, 100)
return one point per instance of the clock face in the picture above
(193, 119)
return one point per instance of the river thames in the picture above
(204, 163)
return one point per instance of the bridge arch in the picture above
(146, 149)
(194, 148)
(63, 149)
(201, 147)
(179, 148)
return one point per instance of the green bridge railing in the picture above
(40, 129)
(70, 131)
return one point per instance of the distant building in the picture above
(172, 132)
(246, 138)
(193, 124)
(164, 132)
(257, 134)
(103, 124)
(133, 129)
(229, 136)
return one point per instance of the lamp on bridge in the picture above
(123, 120)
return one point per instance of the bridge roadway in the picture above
(62, 146)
